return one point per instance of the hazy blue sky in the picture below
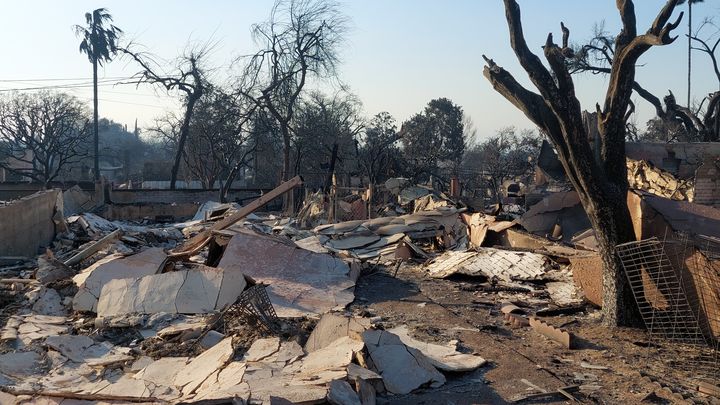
(399, 54)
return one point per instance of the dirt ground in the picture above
(611, 366)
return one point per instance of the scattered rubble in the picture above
(239, 305)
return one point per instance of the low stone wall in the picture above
(27, 224)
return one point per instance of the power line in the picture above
(66, 86)
(66, 79)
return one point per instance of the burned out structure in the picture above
(409, 299)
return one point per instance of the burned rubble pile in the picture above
(236, 305)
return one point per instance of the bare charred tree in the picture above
(299, 41)
(188, 78)
(601, 184)
(597, 56)
(506, 155)
(41, 134)
(220, 143)
(324, 135)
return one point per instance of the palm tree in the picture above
(99, 42)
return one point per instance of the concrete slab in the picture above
(92, 280)
(445, 358)
(202, 290)
(300, 282)
(403, 368)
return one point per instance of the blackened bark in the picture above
(331, 170)
(602, 185)
(184, 131)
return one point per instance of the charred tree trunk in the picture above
(184, 130)
(331, 170)
(602, 185)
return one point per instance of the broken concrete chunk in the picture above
(49, 303)
(162, 371)
(19, 364)
(289, 352)
(262, 348)
(300, 282)
(341, 393)
(201, 367)
(210, 339)
(335, 356)
(355, 372)
(332, 326)
(403, 368)
(190, 292)
(50, 270)
(82, 349)
(445, 358)
(71, 346)
(313, 243)
(92, 280)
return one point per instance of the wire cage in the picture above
(676, 285)
(254, 306)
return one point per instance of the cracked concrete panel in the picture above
(300, 282)
(157, 293)
(262, 348)
(49, 303)
(162, 371)
(126, 386)
(225, 384)
(327, 364)
(331, 327)
(445, 358)
(201, 367)
(200, 290)
(82, 349)
(188, 292)
(403, 368)
(19, 364)
(92, 280)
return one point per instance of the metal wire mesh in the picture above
(671, 302)
(255, 307)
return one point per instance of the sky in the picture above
(398, 54)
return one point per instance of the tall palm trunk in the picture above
(96, 139)
(689, 58)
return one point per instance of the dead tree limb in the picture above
(602, 185)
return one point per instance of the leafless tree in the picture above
(188, 78)
(300, 41)
(601, 184)
(220, 143)
(42, 133)
(597, 56)
(501, 157)
(325, 132)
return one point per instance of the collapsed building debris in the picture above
(251, 307)
(644, 176)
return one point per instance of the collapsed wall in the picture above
(27, 224)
